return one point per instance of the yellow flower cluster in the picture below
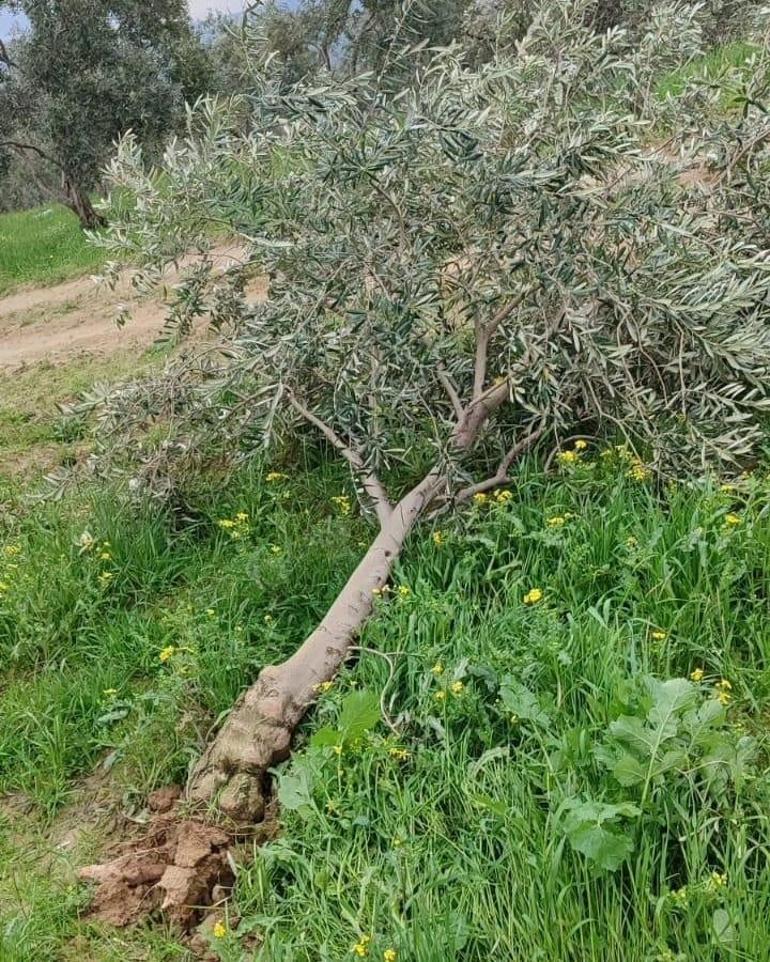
(438, 669)
(342, 502)
(167, 653)
(274, 476)
(389, 955)
(404, 591)
(12, 550)
(456, 689)
(533, 596)
(724, 688)
(557, 521)
(106, 577)
(219, 930)
(361, 948)
(381, 592)
(568, 457)
(480, 498)
(697, 675)
(324, 686)
(399, 754)
(718, 880)
(503, 497)
(639, 471)
(438, 538)
(659, 635)
(732, 520)
(237, 527)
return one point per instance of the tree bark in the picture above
(257, 734)
(80, 204)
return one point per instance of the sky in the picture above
(198, 9)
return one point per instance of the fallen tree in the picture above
(486, 260)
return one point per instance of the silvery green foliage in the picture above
(632, 265)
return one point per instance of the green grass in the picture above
(43, 246)
(470, 834)
(709, 68)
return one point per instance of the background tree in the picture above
(85, 72)
(491, 259)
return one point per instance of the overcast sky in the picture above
(198, 9)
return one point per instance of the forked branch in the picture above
(369, 481)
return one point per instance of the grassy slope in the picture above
(43, 246)
(457, 851)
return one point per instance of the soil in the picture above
(78, 317)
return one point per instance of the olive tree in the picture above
(488, 260)
(84, 72)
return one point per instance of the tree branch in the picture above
(501, 476)
(484, 333)
(17, 145)
(371, 483)
(454, 397)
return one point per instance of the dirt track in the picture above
(78, 317)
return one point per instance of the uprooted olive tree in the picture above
(484, 261)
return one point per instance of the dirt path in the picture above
(78, 317)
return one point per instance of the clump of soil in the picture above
(179, 866)
(173, 868)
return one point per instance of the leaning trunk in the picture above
(80, 204)
(257, 734)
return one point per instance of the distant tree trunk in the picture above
(80, 204)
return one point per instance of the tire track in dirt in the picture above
(77, 317)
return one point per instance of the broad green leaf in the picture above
(628, 770)
(519, 700)
(603, 846)
(360, 713)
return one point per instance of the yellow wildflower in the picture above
(105, 556)
(568, 457)
(400, 754)
(241, 516)
(457, 688)
(109, 692)
(724, 684)
(226, 523)
(210, 612)
(697, 675)
(480, 498)
(438, 668)
(659, 635)
(718, 880)
(581, 445)
(533, 596)
(11, 550)
(631, 542)
(167, 653)
(342, 501)
(404, 591)
(732, 519)
(274, 476)
(337, 749)
(503, 497)
(397, 841)
(361, 948)
(440, 695)
(438, 538)
(557, 521)
(324, 686)
(275, 549)
(389, 955)
(219, 930)
(106, 577)
(639, 471)
(728, 488)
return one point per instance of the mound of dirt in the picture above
(173, 868)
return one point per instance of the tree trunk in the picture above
(232, 771)
(80, 204)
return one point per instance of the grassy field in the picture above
(577, 776)
(43, 246)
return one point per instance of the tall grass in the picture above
(460, 835)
